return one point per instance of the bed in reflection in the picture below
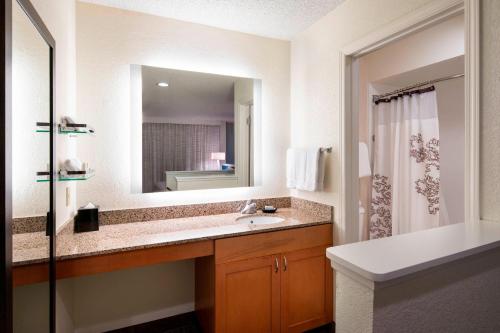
(199, 180)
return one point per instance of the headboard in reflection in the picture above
(197, 130)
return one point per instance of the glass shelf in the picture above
(80, 130)
(42, 127)
(67, 178)
(73, 130)
(44, 177)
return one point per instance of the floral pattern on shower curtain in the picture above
(406, 179)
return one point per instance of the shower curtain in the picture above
(406, 180)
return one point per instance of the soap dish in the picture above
(269, 211)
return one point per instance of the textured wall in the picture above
(315, 78)
(490, 117)
(353, 306)
(110, 40)
(459, 297)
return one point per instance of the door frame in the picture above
(430, 14)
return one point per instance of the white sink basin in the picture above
(259, 219)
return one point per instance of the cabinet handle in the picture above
(285, 264)
(276, 265)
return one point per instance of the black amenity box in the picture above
(87, 219)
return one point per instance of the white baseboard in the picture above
(137, 319)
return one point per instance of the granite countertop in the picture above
(30, 248)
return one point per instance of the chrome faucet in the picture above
(249, 208)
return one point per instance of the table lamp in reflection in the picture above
(219, 156)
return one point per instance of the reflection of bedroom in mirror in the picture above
(196, 130)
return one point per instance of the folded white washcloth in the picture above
(73, 164)
(68, 120)
(89, 205)
(296, 167)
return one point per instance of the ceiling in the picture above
(281, 19)
(190, 96)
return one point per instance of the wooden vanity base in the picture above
(103, 263)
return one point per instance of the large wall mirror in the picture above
(32, 156)
(197, 130)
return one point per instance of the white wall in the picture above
(451, 113)
(435, 44)
(59, 16)
(124, 298)
(109, 40)
(315, 78)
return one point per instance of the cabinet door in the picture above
(248, 296)
(306, 290)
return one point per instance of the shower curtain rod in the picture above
(420, 84)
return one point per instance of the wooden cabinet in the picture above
(273, 282)
(306, 290)
(248, 296)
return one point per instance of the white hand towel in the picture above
(296, 167)
(312, 170)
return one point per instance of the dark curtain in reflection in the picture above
(176, 147)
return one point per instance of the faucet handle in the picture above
(250, 208)
(248, 202)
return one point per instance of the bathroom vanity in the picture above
(249, 277)
(287, 267)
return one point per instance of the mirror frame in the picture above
(6, 168)
(6, 314)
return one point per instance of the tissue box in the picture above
(87, 219)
